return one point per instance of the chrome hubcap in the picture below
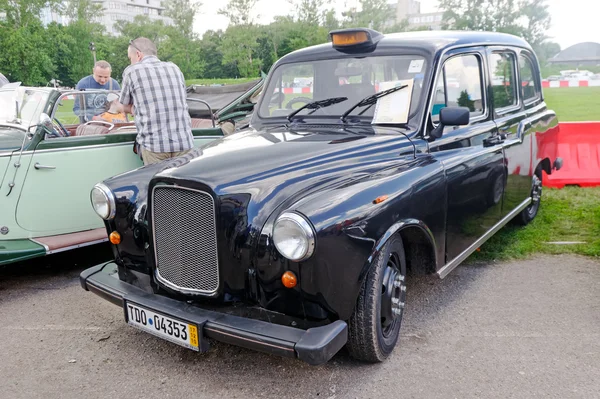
(393, 296)
(536, 193)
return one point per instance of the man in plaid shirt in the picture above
(154, 91)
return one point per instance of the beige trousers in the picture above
(150, 157)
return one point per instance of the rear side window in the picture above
(459, 85)
(529, 88)
(504, 87)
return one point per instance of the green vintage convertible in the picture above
(54, 147)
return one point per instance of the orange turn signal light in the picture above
(289, 279)
(379, 200)
(349, 38)
(115, 238)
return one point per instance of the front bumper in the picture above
(314, 346)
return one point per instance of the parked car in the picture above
(296, 235)
(52, 154)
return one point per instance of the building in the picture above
(121, 10)
(49, 15)
(410, 10)
(116, 10)
(581, 54)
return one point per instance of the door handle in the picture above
(492, 141)
(38, 166)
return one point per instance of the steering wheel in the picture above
(58, 129)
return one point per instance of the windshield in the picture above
(31, 105)
(294, 85)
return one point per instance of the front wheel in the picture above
(374, 327)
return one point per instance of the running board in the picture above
(66, 242)
(444, 271)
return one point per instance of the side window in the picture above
(459, 85)
(529, 88)
(504, 87)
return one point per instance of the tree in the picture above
(183, 12)
(311, 12)
(211, 50)
(464, 100)
(240, 12)
(182, 45)
(26, 54)
(546, 50)
(374, 14)
(538, 21)
(62, 43)
(21, 13)
(80, 10)
(526, 18)
(240, 41)
(239, 47)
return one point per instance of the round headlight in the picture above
(294, 237)
(103, 201)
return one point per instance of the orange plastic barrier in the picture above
(578, 144)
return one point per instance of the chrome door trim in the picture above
(444, 271)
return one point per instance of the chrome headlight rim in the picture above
(302, 222)
(110, 199)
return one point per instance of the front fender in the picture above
(353, 222)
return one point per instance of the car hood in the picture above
(280, 164)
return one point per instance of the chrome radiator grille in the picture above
(185, 240)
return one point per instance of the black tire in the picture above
(374, 327)
(529, 213)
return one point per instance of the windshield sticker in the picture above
(416, 66)
(393, 108)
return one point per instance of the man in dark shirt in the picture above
(94, 103)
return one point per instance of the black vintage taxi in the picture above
(367, 159)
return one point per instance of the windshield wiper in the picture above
(370, 101)
(315, 105)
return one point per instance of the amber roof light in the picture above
(354, 37)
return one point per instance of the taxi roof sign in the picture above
(345, 38)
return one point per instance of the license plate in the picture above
(174, 330)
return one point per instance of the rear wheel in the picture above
(375, 324)
(529, 213)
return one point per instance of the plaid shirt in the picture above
(157, 91)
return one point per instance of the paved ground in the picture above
(509, 330)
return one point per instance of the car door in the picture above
(474, 168)
(511, 119)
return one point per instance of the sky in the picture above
(573, 22)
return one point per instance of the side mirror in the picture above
(44, 121)
(451, 116)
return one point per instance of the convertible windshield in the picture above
(294, 85)
(30, 105)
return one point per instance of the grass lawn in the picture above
(573, 104)
(571, 214)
